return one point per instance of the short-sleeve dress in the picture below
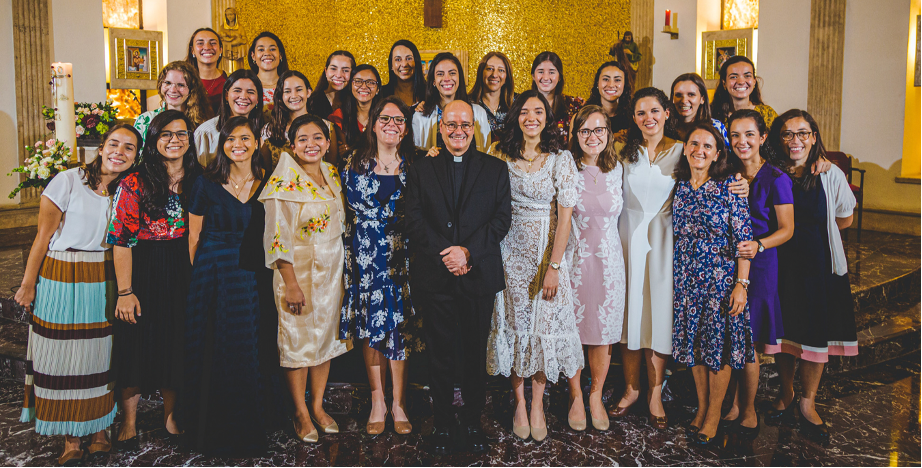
(597, 256)
(304, 226)
(230, 304)
(529, 334)
(708, 223)
(150, 353)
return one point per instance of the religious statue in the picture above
(233, 37)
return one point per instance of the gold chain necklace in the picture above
(595, 178)
(237, 185)
(530, 161)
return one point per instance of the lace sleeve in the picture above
(565, 174)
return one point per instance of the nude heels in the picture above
(311, 437)
(331, 428)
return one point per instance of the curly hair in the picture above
(608, 158)
(360, 162)
(512, 141)
(196, 106)
(283, 57)
(722, 106)
(92, 172)
(635, 137)
(153, 174)
(721, 168)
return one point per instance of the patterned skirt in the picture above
(69, 389)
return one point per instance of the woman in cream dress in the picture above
(303, 243)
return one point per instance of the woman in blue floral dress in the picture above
(711, 325)
(376, 306)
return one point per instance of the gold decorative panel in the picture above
(581, 32)
(121, 14)
(739, 14)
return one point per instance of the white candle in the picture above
(64, 125)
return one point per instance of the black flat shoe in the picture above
(441, 443)
(817, 432)
(749, 433)
(774, 417)
(128, 445)
(476, 440)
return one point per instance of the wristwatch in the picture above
(555, 265)
(761, 247)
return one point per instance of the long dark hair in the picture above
(304, 120)
(153, 174)
(433, 98)
(765, 150)
(560, 107)
(704, 110)
(635, 137)
(323, 83)
(808, 180)
(608, 158)
(190, 55)
(419, 80)
(350, 105)
(256, 115)
(624, 102)
(721, 168)
(278, 121)
(360, 163)
(513, 140)
(93, 171)
(283, 58)
(218, 169)
(722, 106)
(507, 93)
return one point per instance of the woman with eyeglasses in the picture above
(303, 243)
(611, 90)
(597, 257)
(377, 308)
(534, 332)
(268, 60)
(291, 101)
(352, 118)
(547, 77)
(739, 89)
(332, 83)
(242, 97)
(179, 88)
(204, 53)
(494, 88)
(405, 75)
(445, 83)
(817, 306)
(148, 229)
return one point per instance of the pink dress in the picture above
(597, 257)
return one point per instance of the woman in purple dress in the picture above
(711, 331)
(771, 212)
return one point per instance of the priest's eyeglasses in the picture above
(598, 131)
(167, 135)
(464, 126)
(802, 136)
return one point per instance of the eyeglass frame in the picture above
(593, 131)
(456, 126)
(357, 83)
(802, 136)
(167, 136)
(386, 119)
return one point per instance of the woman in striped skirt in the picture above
(69, 278)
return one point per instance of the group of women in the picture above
(251, 223)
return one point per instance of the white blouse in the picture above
(840, 203)
(206, 141)
(86, 213)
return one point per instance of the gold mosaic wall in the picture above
(580, 31)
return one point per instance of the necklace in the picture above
(530, 161)
(595, 178)
(387, 167)
(212, 84)
(237, 188)
(750, 179)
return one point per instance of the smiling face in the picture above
(402, 63)
(796, 149)
(174, 89)
(611, 84)
(240, 144)
(446, 78)
(533, 118)
(494, 74)
(369, 88)
(650, 116)
(745, 139)
(390, 133)
(592, 144)
(266, 54)
(687, 99)
(310, 144)
(206, 47)
(701, 150)
(242, 97)
(338, 72)
(459, 115)
(295, 93)
(170, 143)
(546, 77)
(119, 152)
(741, 80)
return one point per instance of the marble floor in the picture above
(873, 415)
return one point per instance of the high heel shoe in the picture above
(620, 412)
(311, 437)
(600, 424)
(817, 432)
(522, 432)
(774, 417)
(749, 433)
(539, 433)
(703, 440)
(375, 428)
(400, 427)
(577, 426)
(331, 428)
(659, 422)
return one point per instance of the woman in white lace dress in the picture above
(534, 332)
(597, 261)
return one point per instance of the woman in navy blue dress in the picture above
(230, 299)
(376, 304)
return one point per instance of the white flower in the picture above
(43, 172)
(80, 130)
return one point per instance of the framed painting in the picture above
(718, 46)
(426, 57)
(135, 58)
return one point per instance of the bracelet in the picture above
(125, 291)
(744, 282)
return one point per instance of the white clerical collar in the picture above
(458, 158)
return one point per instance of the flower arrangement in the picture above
(93, 119)
(44, 161)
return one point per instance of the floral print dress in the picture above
(708, 223)
(377, 302)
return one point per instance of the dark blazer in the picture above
(484, 215)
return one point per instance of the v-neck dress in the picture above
(304, 227)
(229, 318)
